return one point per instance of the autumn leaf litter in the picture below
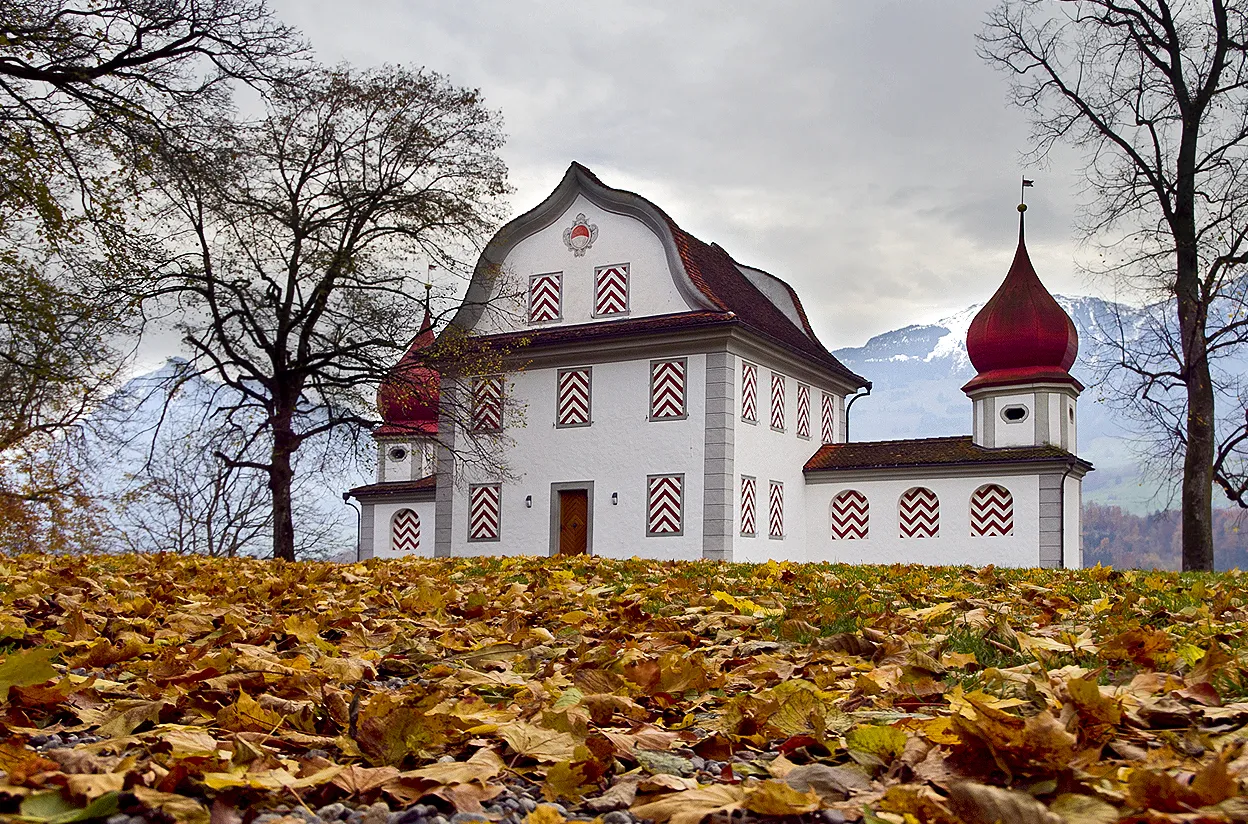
(148, 688)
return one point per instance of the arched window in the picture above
(405, 531)
(992, 511)
(918, 513)
(850, 515)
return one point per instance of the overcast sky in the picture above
(859, 150)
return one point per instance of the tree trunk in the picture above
(281, 475)
(1197, 495)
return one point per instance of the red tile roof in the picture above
(960, 450)
(394, 488)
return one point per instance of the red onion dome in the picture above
(408, 398)
(1021, 335)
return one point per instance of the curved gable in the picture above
(671, 273)
(532, 244)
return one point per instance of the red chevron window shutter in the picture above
(828, 429)
(667, 389)
(749, 499)
(611, 290)
(749, 392)
(777, 402)
(487, 404)
(775, 510)
(485, 508)
(405, 531)
(918, 513)
(803, 411)
(665, 505)
(992, 512)
(573, 402)
(546, 297)
(850, 516)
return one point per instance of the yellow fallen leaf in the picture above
(744, 605)
(778, 798)
(22, 669)
(544, 814)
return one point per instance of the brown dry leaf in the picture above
(355, 780)
(691, 806)
(539, 743)
(1083, 809)
(981, 804)
(830, 783)
(180, 808)
(92, 786)
(483, 766)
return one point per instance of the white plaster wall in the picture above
(382, 515)
(617, 452)
(1072, 511)
(770, 455)
(954, 544)
(621, 239)
(1015, 433)
(417, 463)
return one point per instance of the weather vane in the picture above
(1022, 191)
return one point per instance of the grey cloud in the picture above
(860, 151)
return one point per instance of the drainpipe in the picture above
(346, 499)
(850, 404)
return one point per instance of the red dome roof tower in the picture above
(408, 398)
(1022, 344)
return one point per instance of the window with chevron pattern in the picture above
(777, 402)
(667, 389)
(665, 505)
(918, 513)
(611, 290)
(545, 297)
(405, 531)
(749, 504)
(992, 512)
(749, 392)
(827, 430)
(572, 403)
(487, 404)
(803, 411)
(850, 516)
(775, 510)
(485, 510)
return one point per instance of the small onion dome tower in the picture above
(408, 402)
(1022, 344)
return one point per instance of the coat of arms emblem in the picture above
(580, 235)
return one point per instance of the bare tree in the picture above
(1156, 94)
(298, 236)
(86, 89)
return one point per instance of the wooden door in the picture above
(573, 521)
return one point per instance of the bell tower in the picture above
(1022, 344)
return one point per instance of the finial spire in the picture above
(1022, 205)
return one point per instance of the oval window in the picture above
(1014, 414)
(397, 453)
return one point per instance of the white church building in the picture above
(656, 398)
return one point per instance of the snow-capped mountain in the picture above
(917, 373)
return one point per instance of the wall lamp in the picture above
(615, 499)
(528, 501)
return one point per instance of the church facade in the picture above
(654, 397)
